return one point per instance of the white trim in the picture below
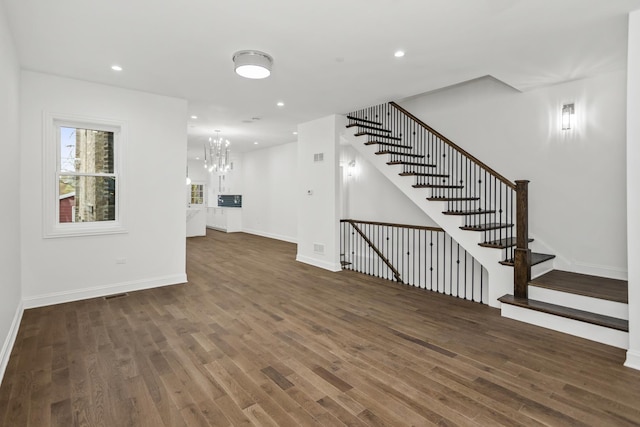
(577, 328)
(601, 270)
(51, 228)
(99, 291)
(633, 359)
(10, 340)
(270, 235)
(319, 263)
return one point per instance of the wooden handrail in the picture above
(448, 142)
(384, 259)
(390, 224)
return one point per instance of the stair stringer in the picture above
(500, 280)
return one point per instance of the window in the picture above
(197, 194)
(85, 195)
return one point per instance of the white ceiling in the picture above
(330, 56)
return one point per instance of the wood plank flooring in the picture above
(256, 338)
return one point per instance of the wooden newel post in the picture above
(522, 256)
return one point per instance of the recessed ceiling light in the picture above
(116, 68)
(399, 53)
(197, 158)
(280, 104)
(295, 133)
(256, 143)
(194, 117)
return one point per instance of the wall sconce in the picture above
(351, 168)
(568, 116)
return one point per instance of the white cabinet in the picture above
(196, 221)
(225, 219)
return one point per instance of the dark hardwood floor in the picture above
(256, 338)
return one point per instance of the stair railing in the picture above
(420, 256)
(470, 188)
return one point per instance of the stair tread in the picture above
(364, 120)
(501, 243)
(486, 227)
(402, 162)
(377, 135)
(388, 144)
(570, 313)
(584, 284)
(453, 199)
(399, 153)
(536, 258)
(436, 186)
(469, 212)
(360, 125)
(343, 263)
(438, 175)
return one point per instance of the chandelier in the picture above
(219, 154)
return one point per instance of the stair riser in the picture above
(580, 302)
(584, 330)
(542, 268)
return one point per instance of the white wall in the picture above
(10, 301)
(577, 190)
(633, 188)
(317, 191)
(270, 196)
(63, 269)
(369, 196)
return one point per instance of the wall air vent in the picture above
(318, 248)
(318, 157)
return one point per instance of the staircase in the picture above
(486, 214)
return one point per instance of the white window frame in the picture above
(52, 226)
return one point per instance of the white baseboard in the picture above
(100, 291)
(10, 340)
(319, 263)
(270, 235)
(601, 271)
(585, 330)
(633, 359)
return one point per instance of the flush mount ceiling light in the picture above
(252, 64)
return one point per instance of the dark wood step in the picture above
(437, 175)
(536, 258)
(402, 162)
(467, 213)
(437, 186)
(569, 313)
(584, 284)
(388, 144)
(417, 156)
(485, 227)
(395, 138)
(502, 243)
(371, 122)
(345, 263)
(453, 199)
(359, 125)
